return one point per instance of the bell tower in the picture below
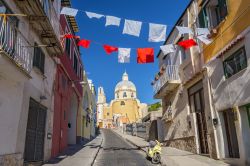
(101, 101)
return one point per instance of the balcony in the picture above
(167, 82)
(14, 46)
(45, 21)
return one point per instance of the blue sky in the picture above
(104, 69)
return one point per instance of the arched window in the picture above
(122, 103)
(124, 94)
(132, 95)
(117, 95)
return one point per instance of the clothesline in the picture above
(144, 22)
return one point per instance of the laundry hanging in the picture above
(68, 36)
(166, 49)
(132, 27)
(69, 11)
(204, 39)
(84, 43)
(184, 30)
(157, 32)
(124, 55)
(111, 20)
(202, 31)
(94, 15)
(145, 55)
(187, 43)
(110, 49)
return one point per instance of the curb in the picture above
(97, 153)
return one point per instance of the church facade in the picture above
(125, 108)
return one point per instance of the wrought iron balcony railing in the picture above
(14, 45)
(170, 74)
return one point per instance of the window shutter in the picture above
(42, 61)
(36, 56)
(223, 9)
(203, 21)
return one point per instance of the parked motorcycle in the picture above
(154, 151)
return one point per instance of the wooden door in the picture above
(232, 141)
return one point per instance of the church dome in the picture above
(125, 84)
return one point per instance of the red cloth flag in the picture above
(68, 36)
(145, 55)
(84, 43)
(109, 49)
(187, 43)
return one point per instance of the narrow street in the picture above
(117, 152)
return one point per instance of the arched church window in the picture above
(117, 96)
(122, 103)
(132, 95)
(124, 94)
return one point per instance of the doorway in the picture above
(232, 141)
(72, 118)
(197, 105)
(35, 132)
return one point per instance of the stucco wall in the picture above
(129, 110)
(10, 108)
(234, 90)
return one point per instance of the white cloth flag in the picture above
(124, 55)
(204, 39)
(157, 32)
(69, 11)
(184, 30)
(94, 15)
(202, 31)
(132, 27)
(111, 20)
(166, 49)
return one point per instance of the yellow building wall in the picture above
(237, 20)
(129, 110)
(107, 119)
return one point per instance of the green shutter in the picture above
(203, 18)
(223, 9)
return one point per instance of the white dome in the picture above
(125, 84)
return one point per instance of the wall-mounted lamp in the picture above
(215, 121)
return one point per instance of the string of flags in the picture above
(157, 33)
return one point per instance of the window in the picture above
(39, 58)
(235, 63)
(117, 95)
(132, 95)
(213, 13)
(75, 63)
(124, 94)
(122, 103)
(107, 113)
(68, 45)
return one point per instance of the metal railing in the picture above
(55, 22)
(171, 73)
(14, 44)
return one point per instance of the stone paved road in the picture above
(115, 151)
